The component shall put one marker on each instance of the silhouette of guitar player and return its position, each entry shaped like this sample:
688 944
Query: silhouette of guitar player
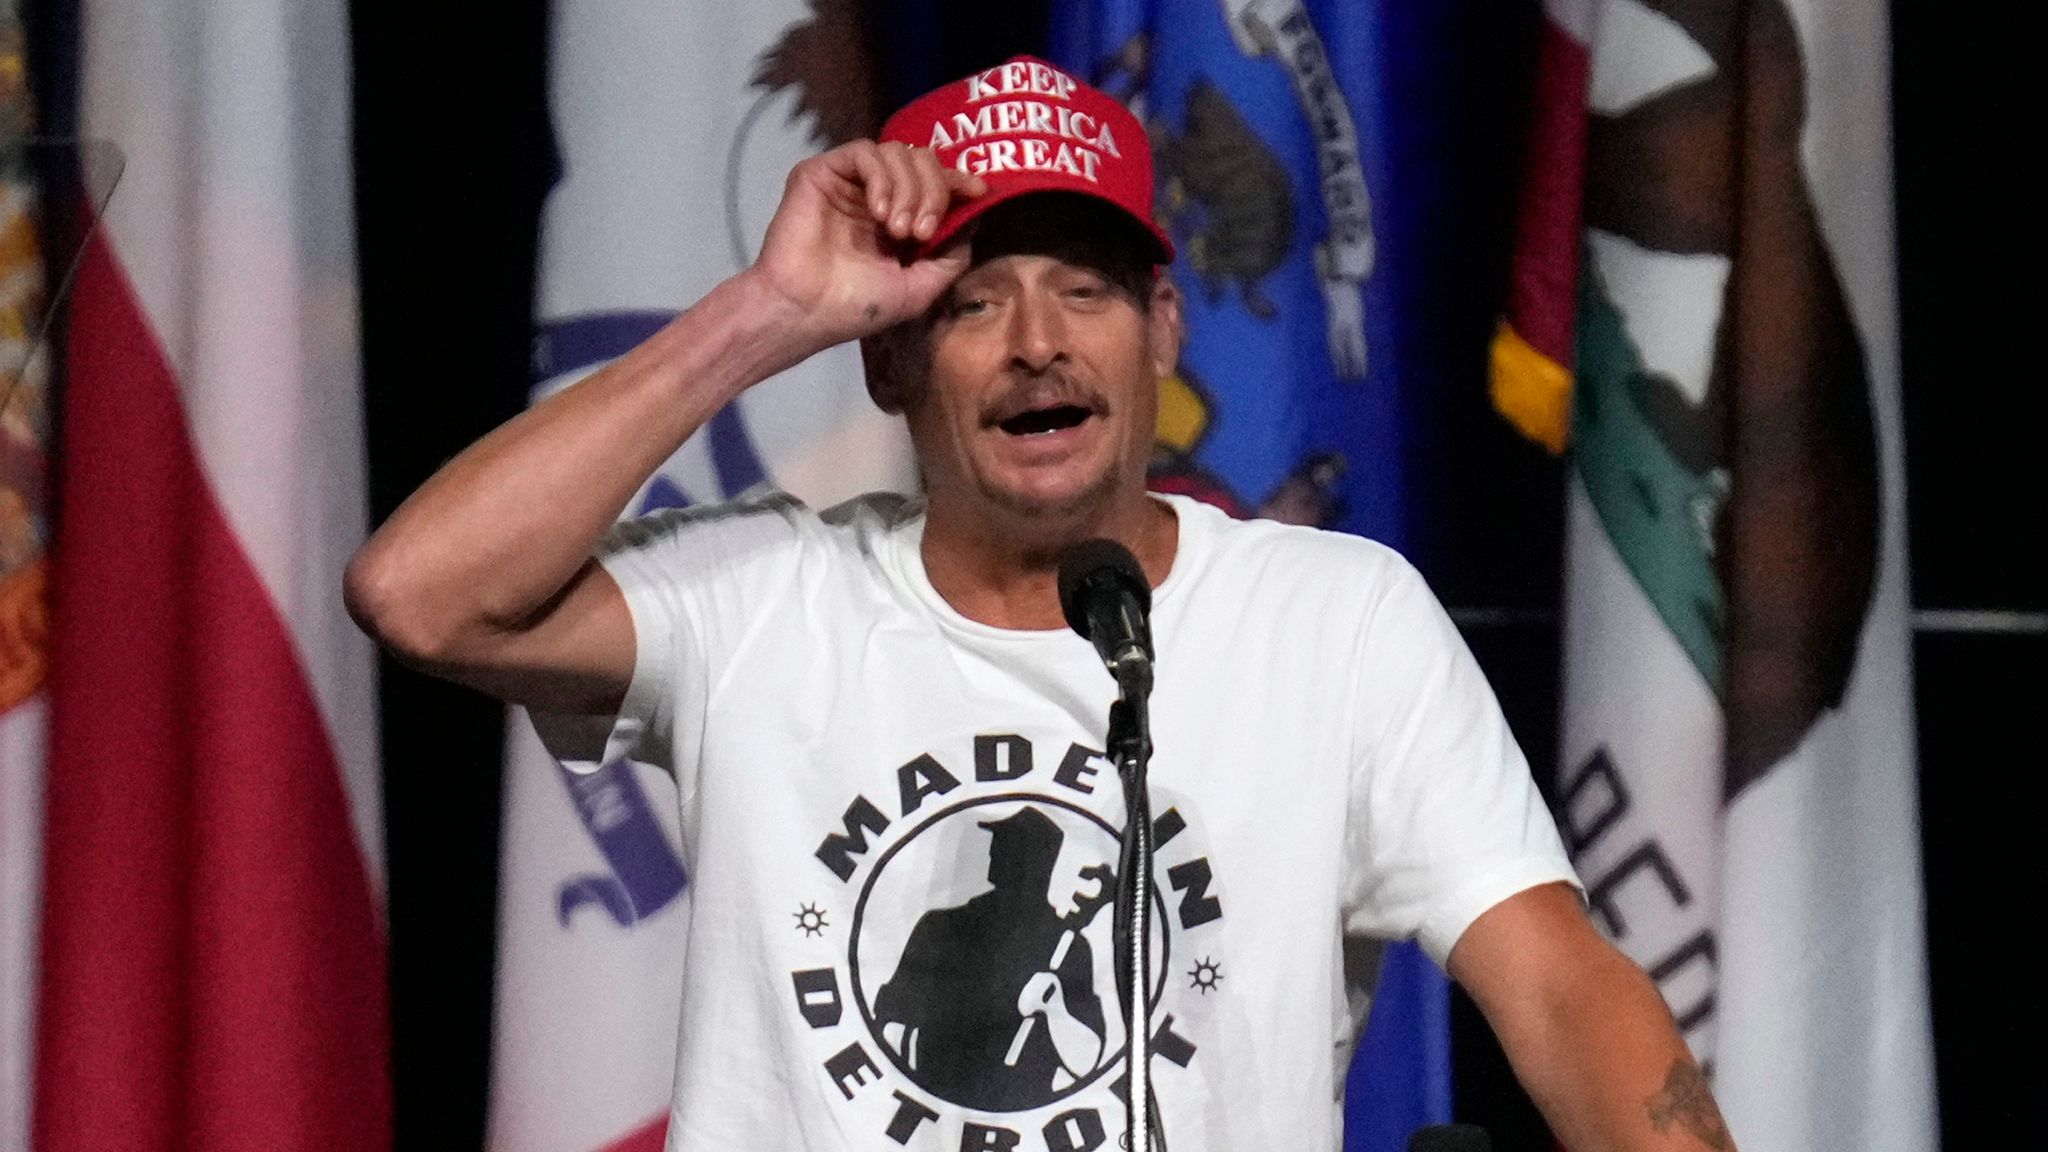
993 1004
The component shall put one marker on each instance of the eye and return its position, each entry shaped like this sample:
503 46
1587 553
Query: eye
963 306
1087 288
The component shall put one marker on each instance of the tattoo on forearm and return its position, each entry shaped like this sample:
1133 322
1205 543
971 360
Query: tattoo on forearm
1686 1101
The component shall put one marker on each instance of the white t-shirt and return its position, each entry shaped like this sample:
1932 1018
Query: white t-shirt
894 817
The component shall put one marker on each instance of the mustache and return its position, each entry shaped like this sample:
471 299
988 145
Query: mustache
1042 391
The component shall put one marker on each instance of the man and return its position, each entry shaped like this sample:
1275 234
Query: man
846 699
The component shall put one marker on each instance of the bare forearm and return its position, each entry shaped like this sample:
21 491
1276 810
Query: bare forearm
1585 1029
1611 1073
485 575
503 527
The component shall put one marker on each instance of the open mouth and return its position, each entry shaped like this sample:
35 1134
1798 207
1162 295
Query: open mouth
1039 421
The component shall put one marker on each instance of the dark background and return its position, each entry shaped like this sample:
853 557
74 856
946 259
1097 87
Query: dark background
454 159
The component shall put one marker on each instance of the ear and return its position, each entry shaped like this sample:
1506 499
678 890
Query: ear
1163 325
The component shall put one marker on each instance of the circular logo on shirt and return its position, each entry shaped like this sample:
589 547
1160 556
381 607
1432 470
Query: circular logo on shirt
981 954
951 952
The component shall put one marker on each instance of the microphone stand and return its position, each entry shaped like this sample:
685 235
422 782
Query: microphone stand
1104 595
1130 744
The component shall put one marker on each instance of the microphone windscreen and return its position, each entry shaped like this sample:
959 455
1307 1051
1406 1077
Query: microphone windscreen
1091 562
1450 1138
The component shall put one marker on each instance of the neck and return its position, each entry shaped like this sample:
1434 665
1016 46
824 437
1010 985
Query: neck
1003 570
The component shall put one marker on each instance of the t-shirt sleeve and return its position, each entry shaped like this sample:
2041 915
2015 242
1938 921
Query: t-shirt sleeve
696 582
1445 821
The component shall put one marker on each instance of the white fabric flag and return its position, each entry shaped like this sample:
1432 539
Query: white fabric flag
677 125
1738 751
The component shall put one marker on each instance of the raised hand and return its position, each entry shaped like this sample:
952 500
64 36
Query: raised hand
840 250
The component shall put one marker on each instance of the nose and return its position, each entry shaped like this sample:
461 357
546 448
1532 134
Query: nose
1037 334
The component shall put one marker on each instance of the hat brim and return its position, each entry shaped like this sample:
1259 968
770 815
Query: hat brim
966 212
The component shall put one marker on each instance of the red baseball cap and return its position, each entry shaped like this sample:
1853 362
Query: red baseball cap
1025 126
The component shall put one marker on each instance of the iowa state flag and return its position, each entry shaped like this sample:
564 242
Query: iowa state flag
213 961
1298 165
677 125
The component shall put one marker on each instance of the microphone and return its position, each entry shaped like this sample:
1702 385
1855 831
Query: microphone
1106 597
1450 1138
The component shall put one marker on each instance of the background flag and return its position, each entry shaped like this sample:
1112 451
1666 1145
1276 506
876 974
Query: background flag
677 126
1739 785
1298 206
24 610
213 962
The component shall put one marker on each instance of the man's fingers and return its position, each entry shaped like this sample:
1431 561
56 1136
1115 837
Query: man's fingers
904 190
871 173
953 184
931 199
934 194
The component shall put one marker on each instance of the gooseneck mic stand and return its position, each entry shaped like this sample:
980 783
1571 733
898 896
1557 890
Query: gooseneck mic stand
1105 596
1130 740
